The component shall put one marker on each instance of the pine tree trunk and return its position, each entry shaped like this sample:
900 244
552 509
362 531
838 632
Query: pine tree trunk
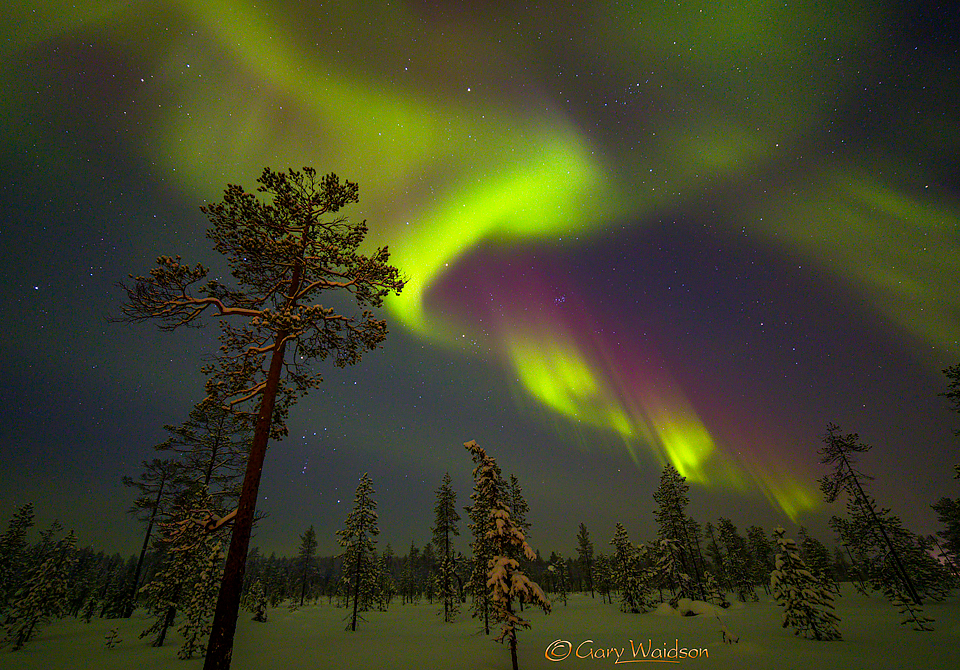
356 595
168 617
446 571
513 638
856 566
693 559
208 475
132 599
220 647
896 556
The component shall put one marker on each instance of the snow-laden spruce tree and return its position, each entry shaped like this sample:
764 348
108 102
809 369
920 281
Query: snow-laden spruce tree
506 582
559 577
284 255
199 602
255 601
428 571
13 544
736 560
630 573
715 555
761 556
601 578
670 573
358 539
444 529
385 586
673 523
188 578
807 603
409 576
481 522
42 595
715 593
817 558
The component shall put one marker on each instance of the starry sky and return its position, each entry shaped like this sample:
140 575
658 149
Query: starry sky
634 233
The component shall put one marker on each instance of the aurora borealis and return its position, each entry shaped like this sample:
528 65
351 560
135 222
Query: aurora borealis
635 233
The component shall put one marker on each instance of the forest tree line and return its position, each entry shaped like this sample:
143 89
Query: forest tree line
183 497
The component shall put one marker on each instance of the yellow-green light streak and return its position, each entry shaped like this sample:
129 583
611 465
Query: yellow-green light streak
894 247
723 93
646 415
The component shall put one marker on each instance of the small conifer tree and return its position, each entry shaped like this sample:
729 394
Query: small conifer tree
12 546
358 538
255 602
43 594
506 581
807 604
585 557
308 548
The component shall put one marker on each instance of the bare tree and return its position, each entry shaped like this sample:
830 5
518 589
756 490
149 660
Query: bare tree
155 481
212 447
840 451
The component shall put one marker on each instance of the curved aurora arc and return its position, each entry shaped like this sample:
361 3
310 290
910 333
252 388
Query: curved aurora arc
446 169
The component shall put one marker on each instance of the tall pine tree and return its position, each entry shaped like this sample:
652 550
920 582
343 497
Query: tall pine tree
840 451
737 563
305 558
761 552
674 524
481 526
155 488
585 557
444 529
285 254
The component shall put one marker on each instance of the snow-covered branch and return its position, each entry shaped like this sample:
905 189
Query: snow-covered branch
214 523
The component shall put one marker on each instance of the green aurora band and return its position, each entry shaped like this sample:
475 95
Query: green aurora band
456 144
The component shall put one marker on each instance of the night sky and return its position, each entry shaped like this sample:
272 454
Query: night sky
673 232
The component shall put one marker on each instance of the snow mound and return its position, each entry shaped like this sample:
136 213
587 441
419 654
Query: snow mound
687 607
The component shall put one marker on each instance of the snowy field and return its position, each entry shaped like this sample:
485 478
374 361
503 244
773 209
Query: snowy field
414 637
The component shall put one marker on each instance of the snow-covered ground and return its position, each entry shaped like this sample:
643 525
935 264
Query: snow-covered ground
415 637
